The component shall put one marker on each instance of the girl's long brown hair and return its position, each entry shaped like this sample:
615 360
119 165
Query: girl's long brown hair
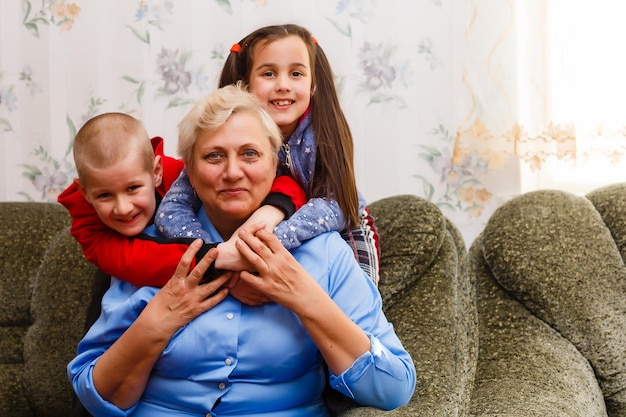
334 166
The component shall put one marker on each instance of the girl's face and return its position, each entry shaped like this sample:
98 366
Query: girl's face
232 170
281 79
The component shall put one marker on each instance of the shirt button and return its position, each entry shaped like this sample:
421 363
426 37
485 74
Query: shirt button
222 385
230 316
228 361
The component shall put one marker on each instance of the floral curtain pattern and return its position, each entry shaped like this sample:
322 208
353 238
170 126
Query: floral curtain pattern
447 99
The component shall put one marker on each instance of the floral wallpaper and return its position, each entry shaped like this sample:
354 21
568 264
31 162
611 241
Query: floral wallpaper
400 68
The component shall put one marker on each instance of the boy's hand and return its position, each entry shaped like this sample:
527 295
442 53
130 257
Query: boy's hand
245 292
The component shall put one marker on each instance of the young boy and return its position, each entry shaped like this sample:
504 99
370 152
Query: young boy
122 176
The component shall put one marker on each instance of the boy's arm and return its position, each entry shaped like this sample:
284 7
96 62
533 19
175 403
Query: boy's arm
140 261
151 261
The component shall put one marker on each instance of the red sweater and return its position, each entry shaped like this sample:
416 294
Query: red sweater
142 261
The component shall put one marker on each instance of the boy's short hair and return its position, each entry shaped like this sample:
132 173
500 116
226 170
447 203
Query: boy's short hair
108 138
213 111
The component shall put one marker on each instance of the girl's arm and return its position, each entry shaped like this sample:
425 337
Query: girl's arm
317 216
176 215
320 215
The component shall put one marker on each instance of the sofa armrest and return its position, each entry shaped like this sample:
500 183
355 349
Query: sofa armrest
553 253
44 291
431 302
610 202
525 367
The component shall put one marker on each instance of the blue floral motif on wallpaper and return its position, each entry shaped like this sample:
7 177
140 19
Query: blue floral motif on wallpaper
227 7
380 76
425 49
172 65
150 13
49 177
8 103
383 72
175 79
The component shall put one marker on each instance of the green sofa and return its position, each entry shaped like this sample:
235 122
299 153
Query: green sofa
529 323
551 295
46 285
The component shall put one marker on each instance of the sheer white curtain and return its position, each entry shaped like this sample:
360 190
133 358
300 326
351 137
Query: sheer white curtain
588 90
542 98
546 87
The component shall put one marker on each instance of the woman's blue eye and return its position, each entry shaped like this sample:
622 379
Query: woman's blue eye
212 156
250 153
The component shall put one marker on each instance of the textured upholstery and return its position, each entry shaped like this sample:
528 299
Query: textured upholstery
46 286
551 293
531 323
427 295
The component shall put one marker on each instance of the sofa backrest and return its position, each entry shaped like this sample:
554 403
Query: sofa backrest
45 287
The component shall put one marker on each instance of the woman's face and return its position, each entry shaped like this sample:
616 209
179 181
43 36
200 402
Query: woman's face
232 170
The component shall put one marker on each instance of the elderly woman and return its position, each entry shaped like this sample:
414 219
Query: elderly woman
194 350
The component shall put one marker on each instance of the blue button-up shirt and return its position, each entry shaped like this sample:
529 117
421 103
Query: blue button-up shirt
236 360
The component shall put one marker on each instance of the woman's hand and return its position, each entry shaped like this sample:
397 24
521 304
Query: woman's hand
123 370
230 258
182 299
285 281
280 277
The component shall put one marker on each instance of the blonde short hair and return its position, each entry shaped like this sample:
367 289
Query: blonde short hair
108 138
214 110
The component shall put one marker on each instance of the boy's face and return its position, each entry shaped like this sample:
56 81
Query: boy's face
123 194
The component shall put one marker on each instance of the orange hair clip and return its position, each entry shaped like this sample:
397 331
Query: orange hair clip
314 39
235 48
